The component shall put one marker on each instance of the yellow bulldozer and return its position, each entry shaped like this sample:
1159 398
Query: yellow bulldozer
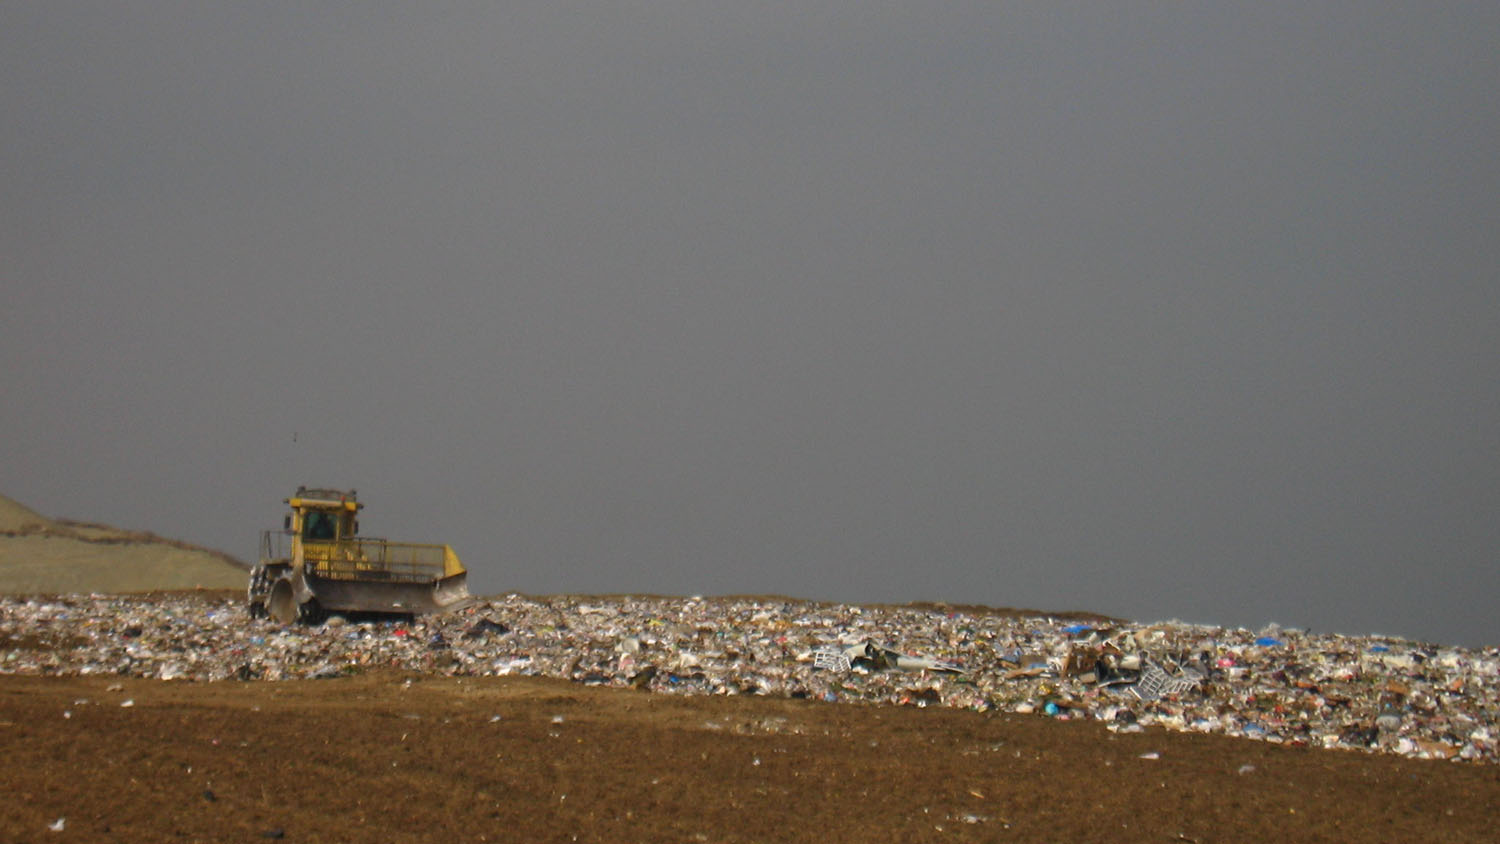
318 564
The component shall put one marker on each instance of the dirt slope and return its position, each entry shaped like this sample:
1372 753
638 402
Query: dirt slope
15 516
39 555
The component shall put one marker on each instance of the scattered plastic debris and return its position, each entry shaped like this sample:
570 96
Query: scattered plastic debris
1155 682
869 656
831 659
1372 694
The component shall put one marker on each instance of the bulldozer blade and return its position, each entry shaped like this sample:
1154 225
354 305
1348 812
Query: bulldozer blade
420 598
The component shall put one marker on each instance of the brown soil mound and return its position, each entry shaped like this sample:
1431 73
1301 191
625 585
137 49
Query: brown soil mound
407 758
54 556
15 516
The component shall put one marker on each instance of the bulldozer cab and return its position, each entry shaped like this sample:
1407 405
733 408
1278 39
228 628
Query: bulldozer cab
320 521
324 531
319 526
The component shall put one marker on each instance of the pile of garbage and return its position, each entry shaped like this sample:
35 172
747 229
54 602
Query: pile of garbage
1288 686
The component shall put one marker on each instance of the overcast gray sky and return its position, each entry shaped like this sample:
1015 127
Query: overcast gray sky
1159 310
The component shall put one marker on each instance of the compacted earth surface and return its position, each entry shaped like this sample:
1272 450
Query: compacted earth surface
389 755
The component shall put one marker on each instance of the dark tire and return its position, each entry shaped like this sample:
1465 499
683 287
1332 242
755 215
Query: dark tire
311 612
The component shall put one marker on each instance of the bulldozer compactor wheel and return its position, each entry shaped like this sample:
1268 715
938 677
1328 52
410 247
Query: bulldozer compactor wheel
282 605
259 592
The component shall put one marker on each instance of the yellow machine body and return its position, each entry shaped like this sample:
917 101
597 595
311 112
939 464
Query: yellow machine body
318 563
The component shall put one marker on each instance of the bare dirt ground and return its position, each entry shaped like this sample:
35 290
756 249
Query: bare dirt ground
407 758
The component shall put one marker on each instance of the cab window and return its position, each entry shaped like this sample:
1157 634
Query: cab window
318 526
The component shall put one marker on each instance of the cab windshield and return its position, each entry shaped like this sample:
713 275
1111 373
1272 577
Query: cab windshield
320 527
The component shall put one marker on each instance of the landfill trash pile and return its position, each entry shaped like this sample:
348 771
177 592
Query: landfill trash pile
1374 694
